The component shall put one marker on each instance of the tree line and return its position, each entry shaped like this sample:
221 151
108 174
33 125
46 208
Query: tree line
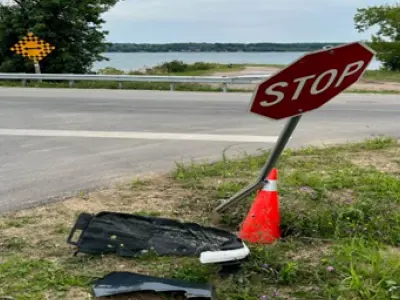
74 27
217 47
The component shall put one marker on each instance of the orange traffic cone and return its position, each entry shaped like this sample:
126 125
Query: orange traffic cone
263 220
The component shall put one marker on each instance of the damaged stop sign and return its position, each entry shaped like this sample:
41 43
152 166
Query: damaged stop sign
311 81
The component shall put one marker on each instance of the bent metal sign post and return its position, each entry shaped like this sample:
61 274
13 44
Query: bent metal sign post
305 85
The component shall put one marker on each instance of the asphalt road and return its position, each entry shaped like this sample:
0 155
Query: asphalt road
58 142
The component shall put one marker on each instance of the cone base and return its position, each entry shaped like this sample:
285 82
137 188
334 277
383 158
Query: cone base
262 238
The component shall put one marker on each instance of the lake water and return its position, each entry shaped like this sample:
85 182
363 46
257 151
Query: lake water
134 61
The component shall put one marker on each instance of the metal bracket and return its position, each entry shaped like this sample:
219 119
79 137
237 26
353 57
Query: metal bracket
268 166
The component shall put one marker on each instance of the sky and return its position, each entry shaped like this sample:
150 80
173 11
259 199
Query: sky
240 21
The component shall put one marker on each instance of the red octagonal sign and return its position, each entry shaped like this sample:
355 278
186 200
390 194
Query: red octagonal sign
311 81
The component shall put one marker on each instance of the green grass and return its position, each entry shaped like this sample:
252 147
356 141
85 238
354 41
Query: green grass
31 278
379 92
340 221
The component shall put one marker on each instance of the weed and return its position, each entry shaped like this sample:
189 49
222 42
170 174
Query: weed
148 213
137 183
17 222
364 269
12 244
30 278
193 271
83 195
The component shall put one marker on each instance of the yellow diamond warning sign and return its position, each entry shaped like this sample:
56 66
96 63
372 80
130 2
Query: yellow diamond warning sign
32 47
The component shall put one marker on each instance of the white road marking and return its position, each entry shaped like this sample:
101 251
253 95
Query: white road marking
139 135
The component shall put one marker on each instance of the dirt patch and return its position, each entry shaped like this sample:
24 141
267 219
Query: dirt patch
392 252
158 196
249 71
77 294
385 161
74 293
80 294
345 196
93 203
312 255
286 292
376 86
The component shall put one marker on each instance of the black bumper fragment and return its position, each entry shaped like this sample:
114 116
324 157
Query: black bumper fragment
117 283
131 235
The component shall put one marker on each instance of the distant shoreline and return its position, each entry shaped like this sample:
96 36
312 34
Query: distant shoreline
137 60
216 47
283 51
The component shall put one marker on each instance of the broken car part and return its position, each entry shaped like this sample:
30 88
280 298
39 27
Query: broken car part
132 235
125 282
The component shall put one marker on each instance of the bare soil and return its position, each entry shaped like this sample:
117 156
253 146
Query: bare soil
387 161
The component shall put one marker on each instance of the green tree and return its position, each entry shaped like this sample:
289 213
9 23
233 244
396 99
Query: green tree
74 27
386 41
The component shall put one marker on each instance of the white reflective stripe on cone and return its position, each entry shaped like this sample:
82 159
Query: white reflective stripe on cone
271 186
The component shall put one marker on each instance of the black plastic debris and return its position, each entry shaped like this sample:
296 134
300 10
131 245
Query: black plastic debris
131 235
118 283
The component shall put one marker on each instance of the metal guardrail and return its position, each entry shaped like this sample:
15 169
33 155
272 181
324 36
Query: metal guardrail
172 80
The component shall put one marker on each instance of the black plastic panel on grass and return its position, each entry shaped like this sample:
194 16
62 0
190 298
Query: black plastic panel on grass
118 283
131 235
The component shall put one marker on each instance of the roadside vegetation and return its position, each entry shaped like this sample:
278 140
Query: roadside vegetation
179 68
340 210
176 68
